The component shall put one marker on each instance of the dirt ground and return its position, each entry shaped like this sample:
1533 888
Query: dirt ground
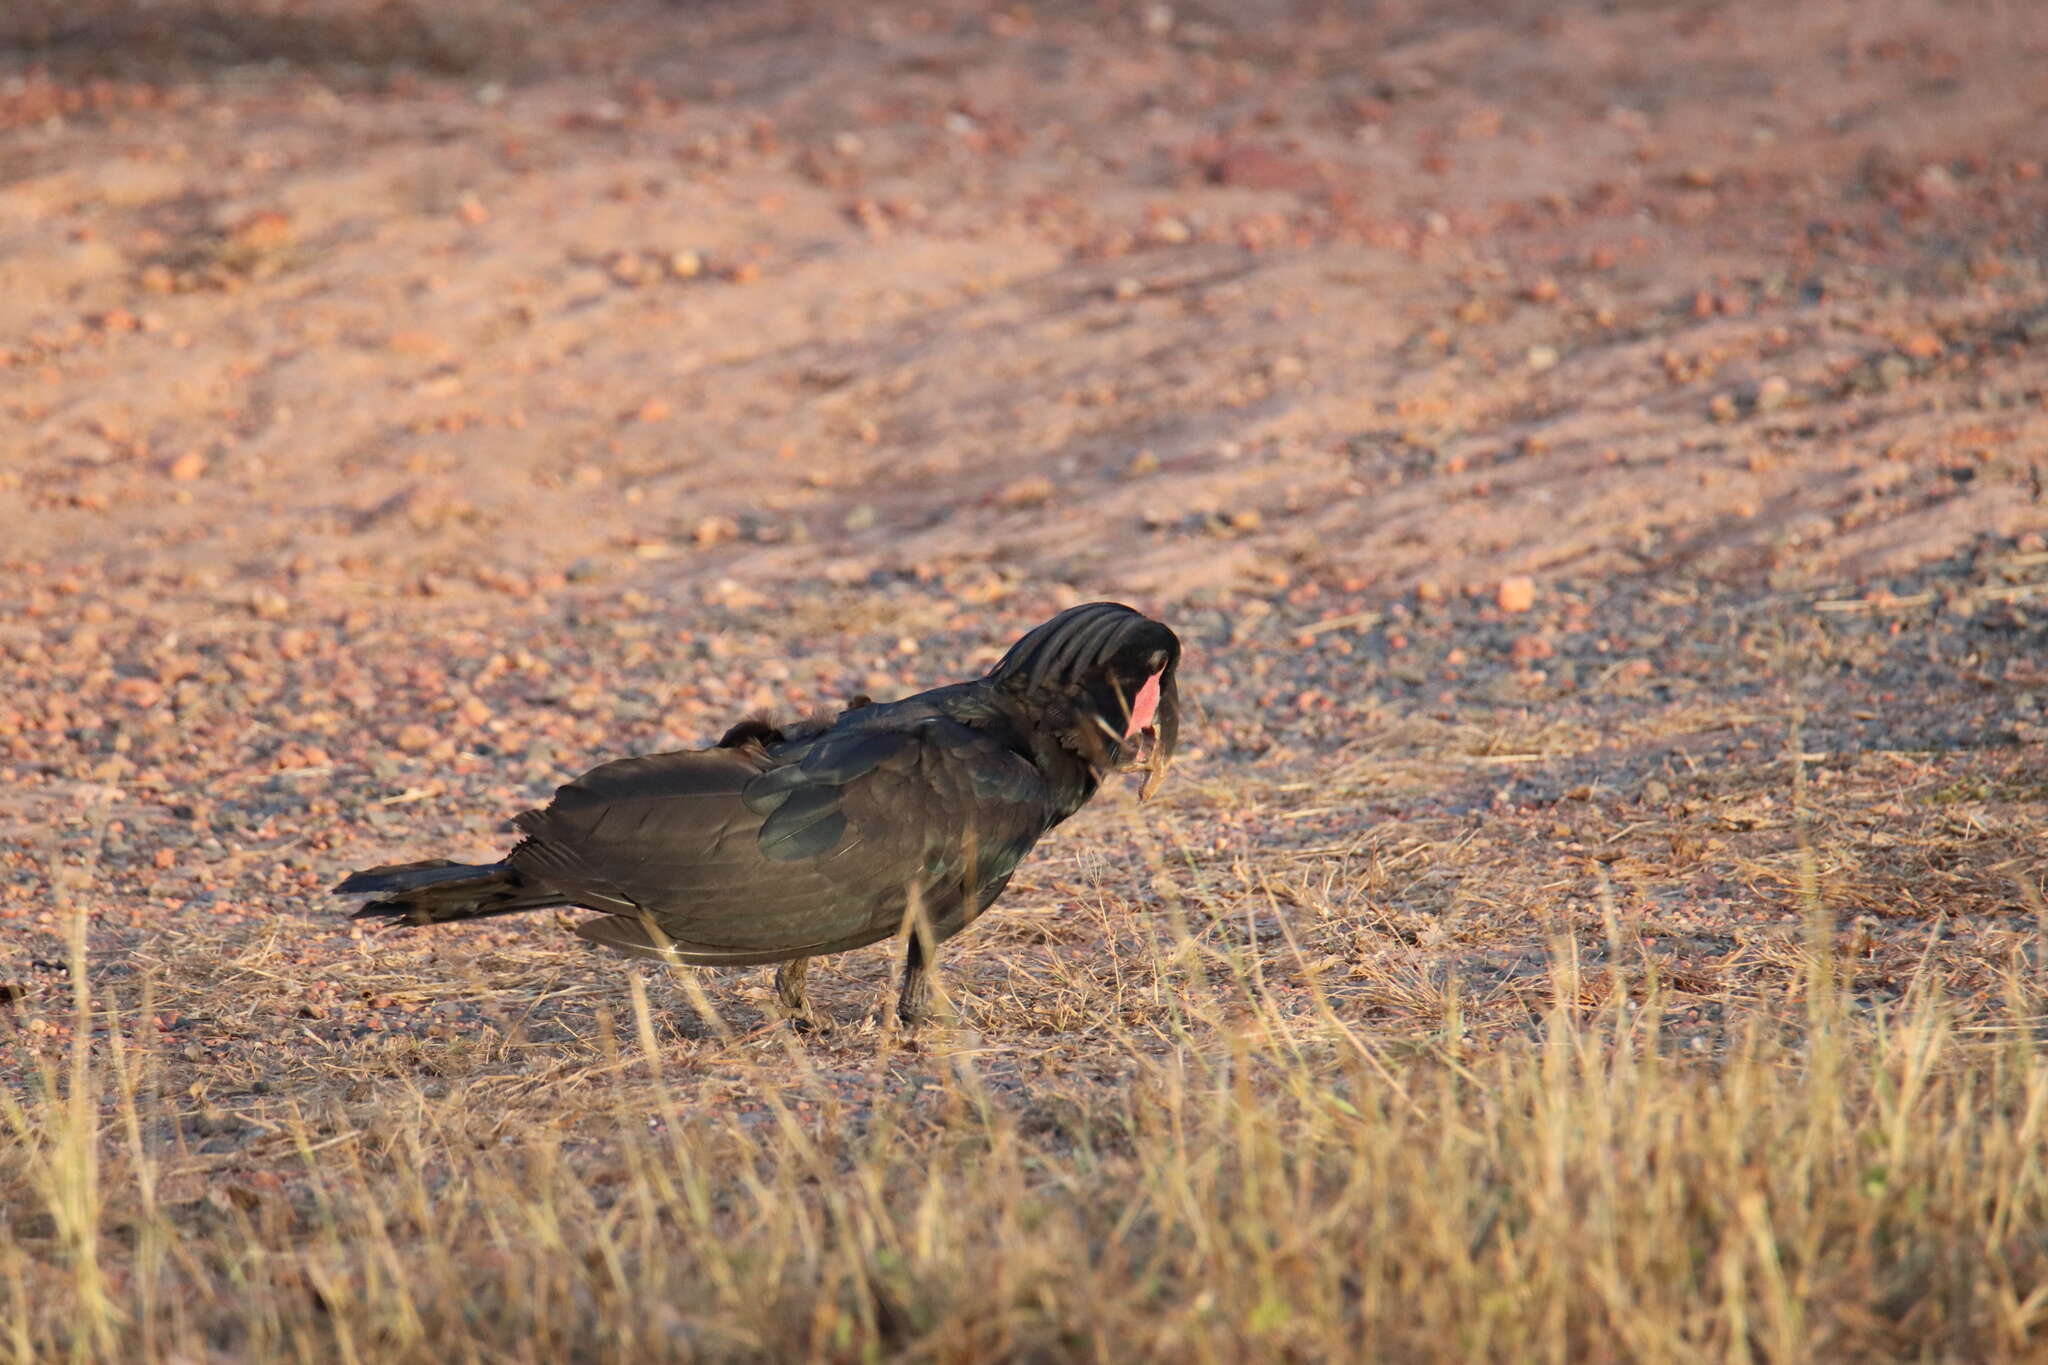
1593 453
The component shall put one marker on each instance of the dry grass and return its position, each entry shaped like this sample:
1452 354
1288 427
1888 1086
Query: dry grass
1234 1172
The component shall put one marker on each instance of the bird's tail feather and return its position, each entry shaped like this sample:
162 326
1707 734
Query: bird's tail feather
439 891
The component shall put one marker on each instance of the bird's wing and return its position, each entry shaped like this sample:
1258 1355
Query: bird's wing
734 855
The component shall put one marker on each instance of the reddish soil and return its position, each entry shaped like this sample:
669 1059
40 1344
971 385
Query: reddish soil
1594 453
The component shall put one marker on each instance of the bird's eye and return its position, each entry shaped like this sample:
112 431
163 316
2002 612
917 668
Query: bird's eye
1157 661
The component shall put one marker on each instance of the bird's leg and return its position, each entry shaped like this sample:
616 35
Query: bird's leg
789 993
912 1000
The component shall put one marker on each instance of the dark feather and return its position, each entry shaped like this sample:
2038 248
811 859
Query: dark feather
438 891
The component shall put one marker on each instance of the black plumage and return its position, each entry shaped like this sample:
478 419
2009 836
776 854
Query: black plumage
783 844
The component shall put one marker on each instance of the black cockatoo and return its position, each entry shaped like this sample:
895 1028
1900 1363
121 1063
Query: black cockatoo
780 844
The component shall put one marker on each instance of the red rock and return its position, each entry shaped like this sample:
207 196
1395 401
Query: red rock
264 230
1922 346
1026 492
412 341
416 738
714 530
1516 594
1249 166
143 692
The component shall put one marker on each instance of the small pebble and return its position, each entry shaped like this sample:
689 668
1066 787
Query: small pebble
1170 232
715 530
416 738
1922 345
1029 491
1516 594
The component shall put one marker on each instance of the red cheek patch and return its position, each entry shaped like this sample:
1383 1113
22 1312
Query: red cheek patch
1144 706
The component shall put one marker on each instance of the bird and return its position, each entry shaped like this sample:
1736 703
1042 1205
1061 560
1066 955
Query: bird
785 842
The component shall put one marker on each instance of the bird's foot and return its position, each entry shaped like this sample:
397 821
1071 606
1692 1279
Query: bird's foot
792 1002
910 1029
806 1024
